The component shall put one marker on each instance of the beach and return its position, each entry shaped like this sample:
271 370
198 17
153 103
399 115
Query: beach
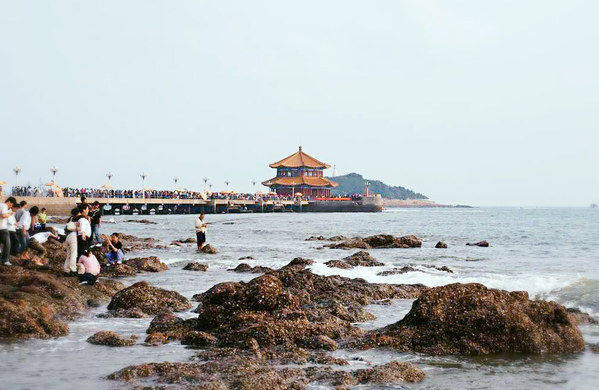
551 253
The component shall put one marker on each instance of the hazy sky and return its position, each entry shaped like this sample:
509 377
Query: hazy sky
478 102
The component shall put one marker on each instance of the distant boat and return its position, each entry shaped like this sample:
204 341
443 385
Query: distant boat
594 205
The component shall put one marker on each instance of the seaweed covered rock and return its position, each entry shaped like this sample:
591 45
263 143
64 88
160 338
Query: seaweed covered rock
148 264
483 244
37 304
377 241
148 299
412 268
291 306
246 268
195 266
119 271
441 245
235 370
110 339
358 259
208 249
156 339
471 319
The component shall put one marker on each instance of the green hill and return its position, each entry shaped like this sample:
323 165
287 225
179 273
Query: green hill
353 183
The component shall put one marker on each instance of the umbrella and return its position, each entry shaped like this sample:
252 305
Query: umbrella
50 184
107 187
3 183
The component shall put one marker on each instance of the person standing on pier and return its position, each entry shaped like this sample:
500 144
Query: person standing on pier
201 231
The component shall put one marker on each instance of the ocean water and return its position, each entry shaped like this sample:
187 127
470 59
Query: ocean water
553 253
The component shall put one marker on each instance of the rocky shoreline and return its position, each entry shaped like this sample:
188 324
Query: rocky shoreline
277 330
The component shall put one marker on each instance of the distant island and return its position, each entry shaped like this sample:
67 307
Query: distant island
353 183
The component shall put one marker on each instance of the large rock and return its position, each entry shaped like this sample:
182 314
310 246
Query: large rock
377 241
208 249
243 371
148 264
195 266
483 244
38 304
291 307
119 271
246 268
358 259
441 245
471 319
148 299
110 339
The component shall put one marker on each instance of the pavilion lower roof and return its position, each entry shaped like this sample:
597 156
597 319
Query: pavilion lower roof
300 180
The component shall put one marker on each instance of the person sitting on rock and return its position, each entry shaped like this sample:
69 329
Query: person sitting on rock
88 268
115 253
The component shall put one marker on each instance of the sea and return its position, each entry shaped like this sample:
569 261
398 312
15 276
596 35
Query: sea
552 253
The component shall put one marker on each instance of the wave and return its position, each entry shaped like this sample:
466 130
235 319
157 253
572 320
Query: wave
571 291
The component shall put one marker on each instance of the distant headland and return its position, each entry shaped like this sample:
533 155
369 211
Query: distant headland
353 183
393 196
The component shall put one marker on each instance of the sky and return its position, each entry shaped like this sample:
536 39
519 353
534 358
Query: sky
466 101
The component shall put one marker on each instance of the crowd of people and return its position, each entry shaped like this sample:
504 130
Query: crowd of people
71 192
22 228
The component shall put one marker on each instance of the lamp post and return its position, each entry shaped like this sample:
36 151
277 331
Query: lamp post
227 182
143 184
16 170
205 178
175 180
54 170
109 176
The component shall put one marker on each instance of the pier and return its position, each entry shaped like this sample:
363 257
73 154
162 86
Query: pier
152 206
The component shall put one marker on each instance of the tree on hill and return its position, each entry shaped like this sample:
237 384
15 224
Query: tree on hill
353 183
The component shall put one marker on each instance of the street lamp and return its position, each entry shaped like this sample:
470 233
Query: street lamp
109 176
16 170
227 182
205 178
54 170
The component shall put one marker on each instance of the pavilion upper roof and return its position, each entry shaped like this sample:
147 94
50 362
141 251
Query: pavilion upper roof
299 159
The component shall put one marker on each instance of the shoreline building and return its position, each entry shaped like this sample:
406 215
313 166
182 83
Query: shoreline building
300 173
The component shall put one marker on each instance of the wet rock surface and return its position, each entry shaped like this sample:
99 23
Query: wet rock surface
143 298
208 249
246 268
111 339
579 317
195 266
470 319
234 370
376 241
147 264
37 304
483 244
358 259
323 238
143 221
290 306
441 245
182 241
411 268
